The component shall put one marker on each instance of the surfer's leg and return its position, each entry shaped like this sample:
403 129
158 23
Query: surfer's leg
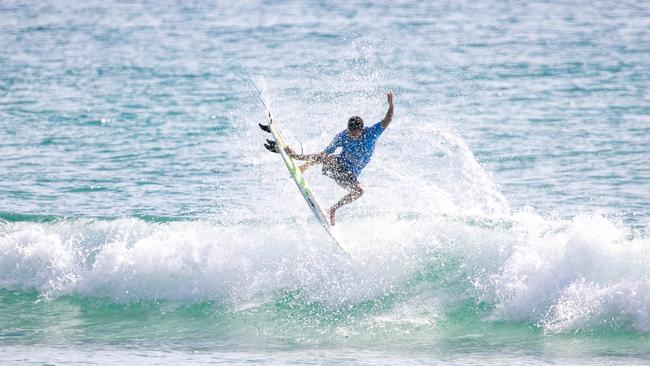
318 157
306 166
328 161
356 191
334 169
331 166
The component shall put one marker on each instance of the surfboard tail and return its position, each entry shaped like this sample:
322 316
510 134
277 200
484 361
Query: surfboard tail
272 146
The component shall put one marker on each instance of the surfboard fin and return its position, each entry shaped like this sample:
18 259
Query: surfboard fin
265 128
271 146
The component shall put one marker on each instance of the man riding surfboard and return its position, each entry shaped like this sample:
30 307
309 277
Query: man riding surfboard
357 145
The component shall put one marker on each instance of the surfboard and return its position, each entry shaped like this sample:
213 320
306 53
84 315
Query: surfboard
277 145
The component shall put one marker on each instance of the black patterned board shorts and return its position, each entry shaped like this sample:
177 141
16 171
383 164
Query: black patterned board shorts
341 175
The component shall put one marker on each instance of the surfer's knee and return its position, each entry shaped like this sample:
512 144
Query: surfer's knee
328 159
358 190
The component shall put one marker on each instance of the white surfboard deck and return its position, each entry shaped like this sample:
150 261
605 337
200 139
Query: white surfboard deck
303 187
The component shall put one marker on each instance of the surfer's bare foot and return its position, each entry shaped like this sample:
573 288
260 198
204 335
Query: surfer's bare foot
332 212
289 151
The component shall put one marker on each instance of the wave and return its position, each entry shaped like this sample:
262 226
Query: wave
561 275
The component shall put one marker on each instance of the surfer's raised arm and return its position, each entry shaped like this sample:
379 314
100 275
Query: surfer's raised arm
389 114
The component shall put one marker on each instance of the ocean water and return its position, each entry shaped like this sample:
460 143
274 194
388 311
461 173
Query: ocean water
506 218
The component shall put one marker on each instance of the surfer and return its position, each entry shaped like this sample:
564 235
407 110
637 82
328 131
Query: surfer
357 145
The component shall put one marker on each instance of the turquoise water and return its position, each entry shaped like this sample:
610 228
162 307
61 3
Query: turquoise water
506 214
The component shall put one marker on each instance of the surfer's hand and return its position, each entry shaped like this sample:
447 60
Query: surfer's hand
389 113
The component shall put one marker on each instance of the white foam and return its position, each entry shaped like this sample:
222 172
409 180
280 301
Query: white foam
37 259
570 275
128 260
562 275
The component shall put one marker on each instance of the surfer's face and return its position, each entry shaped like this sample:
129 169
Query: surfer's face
355 127
356 133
